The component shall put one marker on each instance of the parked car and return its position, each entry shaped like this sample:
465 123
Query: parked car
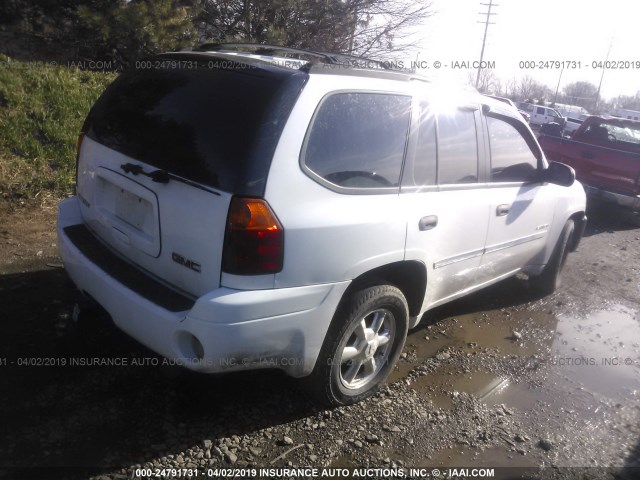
605 153
240 210
541 115
573 111
571 125
508 101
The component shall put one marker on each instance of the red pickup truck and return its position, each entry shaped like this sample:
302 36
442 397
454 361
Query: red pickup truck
605 153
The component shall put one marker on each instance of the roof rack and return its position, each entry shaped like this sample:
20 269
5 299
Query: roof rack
323 57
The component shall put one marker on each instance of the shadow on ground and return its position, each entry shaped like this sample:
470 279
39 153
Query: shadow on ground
607 217
110 417
57 415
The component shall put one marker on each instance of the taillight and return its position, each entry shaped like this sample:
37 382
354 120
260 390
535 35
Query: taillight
78 147
254 238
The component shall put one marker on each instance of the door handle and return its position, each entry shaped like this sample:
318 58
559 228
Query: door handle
428 222
586 154
502 210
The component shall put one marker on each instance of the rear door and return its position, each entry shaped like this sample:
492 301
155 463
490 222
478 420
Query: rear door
447 210
164 152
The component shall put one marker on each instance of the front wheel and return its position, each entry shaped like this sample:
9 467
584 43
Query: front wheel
362 345
549 280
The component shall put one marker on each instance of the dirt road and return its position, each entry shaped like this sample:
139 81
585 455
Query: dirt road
499 379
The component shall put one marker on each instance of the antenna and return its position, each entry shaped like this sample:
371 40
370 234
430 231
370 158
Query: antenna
486 22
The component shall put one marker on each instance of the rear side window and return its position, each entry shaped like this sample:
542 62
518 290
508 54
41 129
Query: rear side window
512 160
357 140
214 126
457 148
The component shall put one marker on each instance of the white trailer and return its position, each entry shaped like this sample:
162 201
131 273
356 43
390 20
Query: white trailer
625 113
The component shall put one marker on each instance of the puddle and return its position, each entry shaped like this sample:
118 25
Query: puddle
476 332
598 354
601 352
552 372
592 361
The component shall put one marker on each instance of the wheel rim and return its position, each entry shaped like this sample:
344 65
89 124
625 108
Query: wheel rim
367 348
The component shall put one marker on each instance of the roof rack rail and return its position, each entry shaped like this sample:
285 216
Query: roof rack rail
324 57
262 49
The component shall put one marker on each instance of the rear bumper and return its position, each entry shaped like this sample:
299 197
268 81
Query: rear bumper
225 330
627 201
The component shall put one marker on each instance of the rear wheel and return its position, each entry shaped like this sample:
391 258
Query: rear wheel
550 279
362 345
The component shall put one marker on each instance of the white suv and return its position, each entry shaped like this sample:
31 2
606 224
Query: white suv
241 210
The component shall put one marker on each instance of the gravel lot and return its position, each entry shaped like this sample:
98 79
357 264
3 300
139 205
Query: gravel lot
499 379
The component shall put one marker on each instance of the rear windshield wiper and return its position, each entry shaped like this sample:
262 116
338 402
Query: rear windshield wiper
159 176
162 176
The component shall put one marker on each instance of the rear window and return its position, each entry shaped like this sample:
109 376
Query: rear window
214 126
357 140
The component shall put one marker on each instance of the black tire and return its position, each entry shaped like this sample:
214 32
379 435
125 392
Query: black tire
353 361
550 278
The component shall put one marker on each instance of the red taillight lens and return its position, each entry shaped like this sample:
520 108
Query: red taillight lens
254 238
79 143
78 147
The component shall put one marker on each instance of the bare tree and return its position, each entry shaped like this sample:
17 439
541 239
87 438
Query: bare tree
510 88
386 26
580 93
488 82
630 102
525 88
533 91
363 27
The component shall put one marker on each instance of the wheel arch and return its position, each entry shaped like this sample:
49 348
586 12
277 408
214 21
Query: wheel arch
580 222
409 276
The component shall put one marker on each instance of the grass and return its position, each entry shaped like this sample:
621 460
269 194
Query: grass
42 108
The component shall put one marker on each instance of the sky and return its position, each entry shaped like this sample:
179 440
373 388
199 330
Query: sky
538 31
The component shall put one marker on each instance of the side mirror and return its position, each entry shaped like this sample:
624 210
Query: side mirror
560 174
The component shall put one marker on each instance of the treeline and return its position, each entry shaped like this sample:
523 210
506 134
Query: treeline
581 93
123 31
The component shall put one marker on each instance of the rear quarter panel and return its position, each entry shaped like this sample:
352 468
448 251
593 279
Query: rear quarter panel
329 236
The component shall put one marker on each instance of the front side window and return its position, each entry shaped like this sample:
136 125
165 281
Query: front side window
357 140
512 160
457 148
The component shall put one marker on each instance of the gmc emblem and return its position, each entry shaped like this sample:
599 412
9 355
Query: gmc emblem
185 262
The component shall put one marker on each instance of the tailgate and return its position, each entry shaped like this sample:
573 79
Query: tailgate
172 230
164 151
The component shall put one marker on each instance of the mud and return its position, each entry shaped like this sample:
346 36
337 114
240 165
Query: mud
501 378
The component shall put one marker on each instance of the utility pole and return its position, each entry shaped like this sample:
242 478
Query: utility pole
555 97
595 104
486 22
